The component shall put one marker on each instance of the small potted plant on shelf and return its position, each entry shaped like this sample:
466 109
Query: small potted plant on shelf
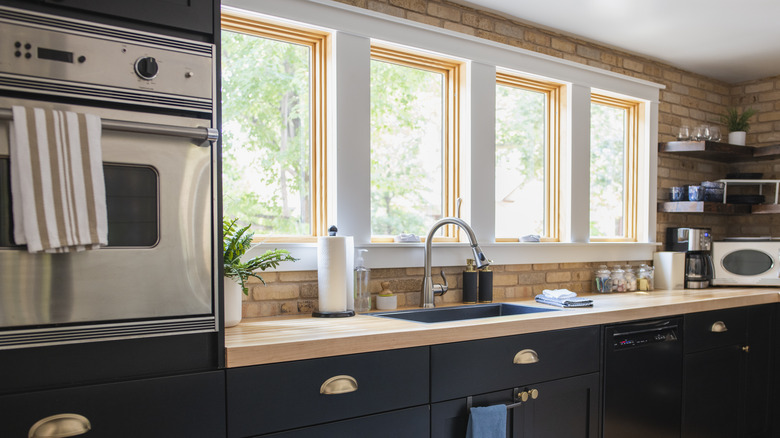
737 124
236 242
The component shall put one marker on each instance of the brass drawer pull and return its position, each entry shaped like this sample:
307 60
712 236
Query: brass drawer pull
718 327
526 356
534 393
60 426
339 385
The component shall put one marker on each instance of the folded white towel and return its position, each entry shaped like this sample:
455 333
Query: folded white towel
564 302
559 293
57 184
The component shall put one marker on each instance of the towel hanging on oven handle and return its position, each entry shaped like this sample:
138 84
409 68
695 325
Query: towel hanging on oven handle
202 134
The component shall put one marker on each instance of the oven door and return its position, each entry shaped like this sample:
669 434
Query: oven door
749 263
155 276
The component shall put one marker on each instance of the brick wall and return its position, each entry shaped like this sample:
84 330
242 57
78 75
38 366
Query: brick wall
296 292
689 99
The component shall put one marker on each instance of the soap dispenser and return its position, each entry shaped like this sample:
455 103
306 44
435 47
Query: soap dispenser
470 283
362 277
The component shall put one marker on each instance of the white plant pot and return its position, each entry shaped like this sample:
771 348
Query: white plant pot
737 137
233 298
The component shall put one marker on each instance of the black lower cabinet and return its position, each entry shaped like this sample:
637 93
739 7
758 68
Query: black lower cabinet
727 373
171 407
563 408
406 423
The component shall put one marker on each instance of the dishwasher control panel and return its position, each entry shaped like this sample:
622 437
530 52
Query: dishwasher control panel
637 338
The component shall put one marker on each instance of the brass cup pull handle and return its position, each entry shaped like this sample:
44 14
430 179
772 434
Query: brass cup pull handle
339 385
526 356
60 426
718 327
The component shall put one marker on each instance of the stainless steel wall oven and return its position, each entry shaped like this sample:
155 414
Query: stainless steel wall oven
155 96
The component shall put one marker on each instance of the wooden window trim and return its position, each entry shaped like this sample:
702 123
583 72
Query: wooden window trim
318 43
452 72
553 122
630 168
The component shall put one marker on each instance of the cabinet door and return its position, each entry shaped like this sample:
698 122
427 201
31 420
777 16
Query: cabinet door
406 423
170 407
563 408
713 393
761 323
194 15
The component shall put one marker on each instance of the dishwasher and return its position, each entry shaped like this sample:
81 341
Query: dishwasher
643 379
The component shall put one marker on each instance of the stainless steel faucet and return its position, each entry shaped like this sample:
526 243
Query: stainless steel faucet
429 289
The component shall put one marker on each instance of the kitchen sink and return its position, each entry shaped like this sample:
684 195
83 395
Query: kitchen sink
445 314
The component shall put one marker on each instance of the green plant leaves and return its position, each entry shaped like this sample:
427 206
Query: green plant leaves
236 242
735 121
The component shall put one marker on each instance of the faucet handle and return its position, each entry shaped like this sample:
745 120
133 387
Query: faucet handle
441 289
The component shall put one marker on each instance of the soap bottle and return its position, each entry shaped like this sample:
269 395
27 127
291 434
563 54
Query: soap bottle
485 285
362 276
470 283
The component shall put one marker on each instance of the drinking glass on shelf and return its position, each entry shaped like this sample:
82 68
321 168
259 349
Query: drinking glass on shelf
705 132
714 133
696 135
684 134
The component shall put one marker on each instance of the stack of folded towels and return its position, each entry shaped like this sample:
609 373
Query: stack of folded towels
563 298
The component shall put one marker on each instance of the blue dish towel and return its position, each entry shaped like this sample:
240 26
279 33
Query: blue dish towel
487 422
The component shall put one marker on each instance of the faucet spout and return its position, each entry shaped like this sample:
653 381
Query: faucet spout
429 289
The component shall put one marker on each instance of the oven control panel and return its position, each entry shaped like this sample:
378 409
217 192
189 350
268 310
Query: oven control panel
94 59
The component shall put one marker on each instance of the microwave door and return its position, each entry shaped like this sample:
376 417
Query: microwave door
746 264
158 262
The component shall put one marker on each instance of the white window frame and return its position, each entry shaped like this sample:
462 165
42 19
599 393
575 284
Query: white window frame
353 30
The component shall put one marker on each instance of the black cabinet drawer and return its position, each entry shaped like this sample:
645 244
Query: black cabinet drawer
406 423
716 328
276 397
182 406
475 367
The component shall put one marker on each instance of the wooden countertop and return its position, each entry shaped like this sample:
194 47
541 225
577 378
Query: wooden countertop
281 339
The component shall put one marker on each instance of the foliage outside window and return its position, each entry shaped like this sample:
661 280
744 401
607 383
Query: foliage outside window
613 168
273 126
527 150
414 145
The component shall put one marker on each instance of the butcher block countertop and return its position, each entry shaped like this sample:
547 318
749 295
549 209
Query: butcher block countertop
281 339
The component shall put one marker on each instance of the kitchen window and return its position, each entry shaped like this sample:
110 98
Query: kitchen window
527 158
273 100
614 142
414 142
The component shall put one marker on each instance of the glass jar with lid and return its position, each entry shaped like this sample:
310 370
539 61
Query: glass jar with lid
601 280
631 279
618 279
645 277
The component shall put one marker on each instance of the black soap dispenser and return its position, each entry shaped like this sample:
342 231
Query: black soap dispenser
485 285
470 283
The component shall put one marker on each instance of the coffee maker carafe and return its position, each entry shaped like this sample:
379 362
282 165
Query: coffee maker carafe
697 243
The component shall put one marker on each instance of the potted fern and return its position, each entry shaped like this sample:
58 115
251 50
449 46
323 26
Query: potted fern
236 242
737 124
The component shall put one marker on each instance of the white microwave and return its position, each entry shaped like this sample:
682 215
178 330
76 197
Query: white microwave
746 263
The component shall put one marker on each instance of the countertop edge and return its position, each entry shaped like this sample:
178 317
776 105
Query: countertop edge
274 340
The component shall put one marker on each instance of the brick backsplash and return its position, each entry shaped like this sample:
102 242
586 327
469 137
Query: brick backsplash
288 293
688 98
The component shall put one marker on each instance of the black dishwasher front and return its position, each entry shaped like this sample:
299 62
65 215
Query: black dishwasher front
643 379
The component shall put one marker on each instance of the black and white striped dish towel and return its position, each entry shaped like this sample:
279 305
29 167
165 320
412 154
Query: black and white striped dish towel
57 185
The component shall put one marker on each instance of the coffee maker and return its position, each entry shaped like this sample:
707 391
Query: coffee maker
697 245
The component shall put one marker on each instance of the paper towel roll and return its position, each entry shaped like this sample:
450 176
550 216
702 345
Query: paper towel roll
335 261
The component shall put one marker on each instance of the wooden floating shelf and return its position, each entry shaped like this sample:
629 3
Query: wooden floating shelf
704 207
766 209
716 151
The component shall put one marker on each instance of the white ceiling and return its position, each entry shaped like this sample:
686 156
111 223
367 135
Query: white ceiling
729 40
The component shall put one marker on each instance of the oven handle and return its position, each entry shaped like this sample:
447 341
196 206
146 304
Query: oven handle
202 134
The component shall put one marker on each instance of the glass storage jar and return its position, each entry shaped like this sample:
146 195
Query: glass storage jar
601 280
618 279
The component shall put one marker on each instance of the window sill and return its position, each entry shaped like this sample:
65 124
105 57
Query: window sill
410 255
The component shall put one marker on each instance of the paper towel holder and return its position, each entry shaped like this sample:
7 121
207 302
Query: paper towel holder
341 314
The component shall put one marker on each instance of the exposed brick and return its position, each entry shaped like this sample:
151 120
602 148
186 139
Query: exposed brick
505 279
633 65
557 277
759 87
509 29
445 12
278 291
414 5
457 27
422 18
291 276
588 52
563 45
537 38
386 9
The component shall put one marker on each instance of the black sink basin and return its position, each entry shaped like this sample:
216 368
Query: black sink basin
445 314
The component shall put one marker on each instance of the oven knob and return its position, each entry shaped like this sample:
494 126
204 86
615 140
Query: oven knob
146 68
